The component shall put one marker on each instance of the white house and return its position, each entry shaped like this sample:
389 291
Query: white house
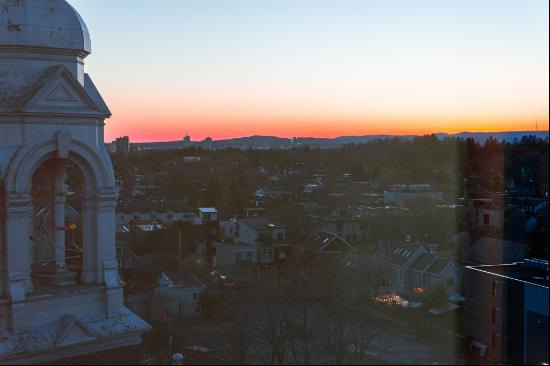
178 295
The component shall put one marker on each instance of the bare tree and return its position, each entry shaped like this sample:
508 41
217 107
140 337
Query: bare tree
302 341
272 330
239 333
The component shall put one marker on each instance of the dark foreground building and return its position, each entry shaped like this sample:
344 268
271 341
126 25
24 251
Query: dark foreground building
507 312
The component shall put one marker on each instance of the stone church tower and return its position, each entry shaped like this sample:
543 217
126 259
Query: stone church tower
60 292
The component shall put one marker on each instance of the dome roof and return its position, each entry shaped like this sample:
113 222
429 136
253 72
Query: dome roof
43 23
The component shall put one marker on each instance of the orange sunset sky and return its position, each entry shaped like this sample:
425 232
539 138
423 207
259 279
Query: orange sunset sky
320 68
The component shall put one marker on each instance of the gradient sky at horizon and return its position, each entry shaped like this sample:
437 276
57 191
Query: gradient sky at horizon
323 68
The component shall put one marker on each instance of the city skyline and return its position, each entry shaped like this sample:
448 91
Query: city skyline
321 69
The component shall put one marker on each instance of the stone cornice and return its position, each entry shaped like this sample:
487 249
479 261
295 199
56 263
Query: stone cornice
43 50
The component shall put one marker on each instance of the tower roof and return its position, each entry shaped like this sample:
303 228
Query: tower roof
43 24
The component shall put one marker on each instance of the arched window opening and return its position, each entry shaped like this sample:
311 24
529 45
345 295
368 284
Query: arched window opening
57 244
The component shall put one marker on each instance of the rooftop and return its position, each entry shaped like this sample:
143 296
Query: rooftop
158 206
259 223
181 278
529 271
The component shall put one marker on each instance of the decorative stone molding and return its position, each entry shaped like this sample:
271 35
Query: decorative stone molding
63 144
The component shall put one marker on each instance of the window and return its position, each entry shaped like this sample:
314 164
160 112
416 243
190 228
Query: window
153 216
249 257
170 217
486 219
195 297
137 217
267 253
450 282
238 257
264 237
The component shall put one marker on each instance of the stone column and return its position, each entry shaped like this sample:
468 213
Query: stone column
90 274
59 216
2 246
106 251
18 246
61 275
106 229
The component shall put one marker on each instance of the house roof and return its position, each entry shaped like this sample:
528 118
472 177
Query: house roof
437 266
402 254
208 210
326 241
180 278
259 223
422 262
160 206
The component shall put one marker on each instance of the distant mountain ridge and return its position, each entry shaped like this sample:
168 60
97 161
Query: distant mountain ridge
278 142
273 142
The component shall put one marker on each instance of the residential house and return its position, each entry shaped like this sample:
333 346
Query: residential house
429 272
177 296
400 260
259 234
238 260
165 212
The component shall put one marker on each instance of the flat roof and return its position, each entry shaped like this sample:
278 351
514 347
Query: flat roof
516 272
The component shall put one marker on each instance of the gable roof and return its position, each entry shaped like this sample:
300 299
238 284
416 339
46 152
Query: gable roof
328 242
401 255
422 262
437 266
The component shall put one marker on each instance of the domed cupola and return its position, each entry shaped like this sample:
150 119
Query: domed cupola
43 25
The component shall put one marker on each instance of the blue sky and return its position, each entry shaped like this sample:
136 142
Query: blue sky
396 66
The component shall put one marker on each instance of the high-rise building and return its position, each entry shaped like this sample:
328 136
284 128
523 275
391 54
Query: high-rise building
55 307
207 143
122 145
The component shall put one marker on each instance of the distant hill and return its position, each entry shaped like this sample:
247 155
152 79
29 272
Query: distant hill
271 142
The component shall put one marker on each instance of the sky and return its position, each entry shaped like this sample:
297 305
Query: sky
322 68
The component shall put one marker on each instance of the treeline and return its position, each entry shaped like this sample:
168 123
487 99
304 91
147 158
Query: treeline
229 177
